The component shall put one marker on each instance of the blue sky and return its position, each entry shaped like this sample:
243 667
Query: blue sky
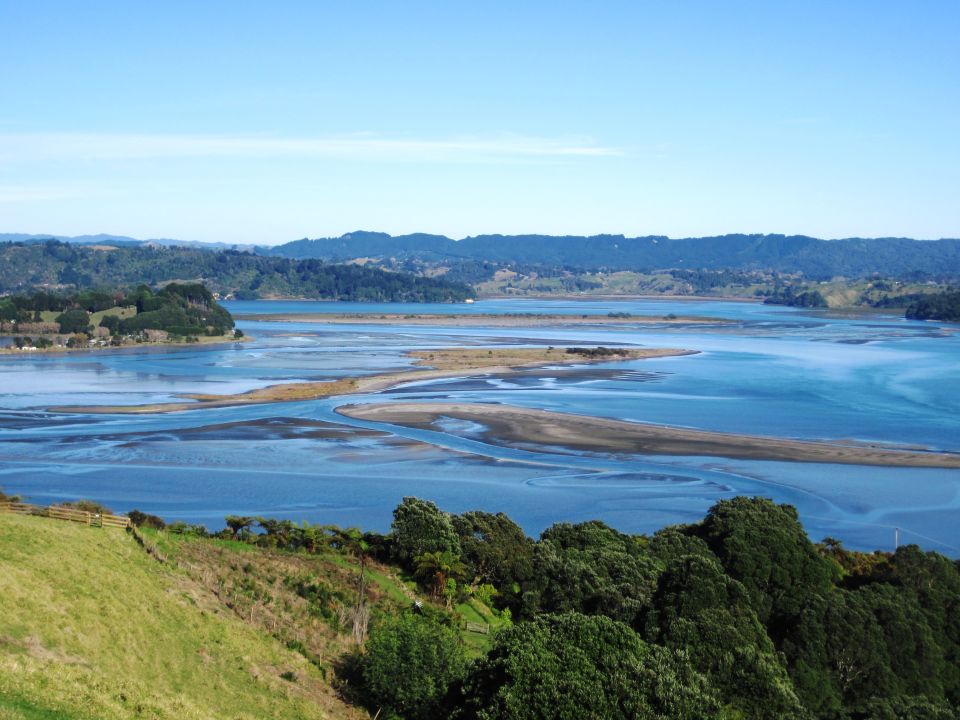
265 122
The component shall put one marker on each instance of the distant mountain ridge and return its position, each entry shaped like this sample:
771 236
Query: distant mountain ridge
813 257
118 241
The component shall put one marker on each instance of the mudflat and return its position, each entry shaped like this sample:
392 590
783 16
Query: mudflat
447 363
523 427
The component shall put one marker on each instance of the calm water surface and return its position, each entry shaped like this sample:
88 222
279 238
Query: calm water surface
772 371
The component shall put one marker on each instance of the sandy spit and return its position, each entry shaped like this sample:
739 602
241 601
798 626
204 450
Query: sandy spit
521 427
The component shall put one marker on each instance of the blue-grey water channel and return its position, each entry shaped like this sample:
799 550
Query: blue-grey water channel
770 371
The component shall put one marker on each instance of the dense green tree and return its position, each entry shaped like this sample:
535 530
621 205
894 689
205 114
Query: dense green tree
906 708
780 571
73 321
409 663
698 608
915 659
439 569
577 667
593 569
677 541
497 551
935 583
419 527
111 322
239 524
942 306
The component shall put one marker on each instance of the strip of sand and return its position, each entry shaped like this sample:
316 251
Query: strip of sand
522 427
448 363
481 320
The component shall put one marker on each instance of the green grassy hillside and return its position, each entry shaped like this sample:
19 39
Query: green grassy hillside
93 627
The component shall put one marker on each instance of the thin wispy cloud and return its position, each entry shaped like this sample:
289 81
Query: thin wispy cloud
32 147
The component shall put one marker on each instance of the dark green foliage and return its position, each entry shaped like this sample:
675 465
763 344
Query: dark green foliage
907 708
789 296
590 568
914 657
409 664
851 647
178 309
497 551
239 525
934 581
111 322
27 265
677 541
942 306
576 667
73 321
142 519
780 571
698 608
597 352
419 527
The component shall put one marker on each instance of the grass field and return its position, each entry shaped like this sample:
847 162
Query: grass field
121 312
92 627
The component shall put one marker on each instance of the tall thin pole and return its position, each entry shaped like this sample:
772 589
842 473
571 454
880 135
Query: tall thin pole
896 538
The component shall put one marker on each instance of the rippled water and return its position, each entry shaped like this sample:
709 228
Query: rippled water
773 371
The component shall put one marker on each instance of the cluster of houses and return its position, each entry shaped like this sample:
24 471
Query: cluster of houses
33 336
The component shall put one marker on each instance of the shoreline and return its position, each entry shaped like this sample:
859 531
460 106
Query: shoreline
521 427
443 364
203 341
477 320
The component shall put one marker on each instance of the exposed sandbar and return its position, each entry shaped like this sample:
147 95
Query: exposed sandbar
480 320
522 427
448 363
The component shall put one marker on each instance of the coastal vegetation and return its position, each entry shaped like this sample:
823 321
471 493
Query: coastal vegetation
244 275
789 296
115 316
738 615
942 306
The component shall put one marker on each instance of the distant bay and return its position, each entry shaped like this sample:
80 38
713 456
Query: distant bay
771 371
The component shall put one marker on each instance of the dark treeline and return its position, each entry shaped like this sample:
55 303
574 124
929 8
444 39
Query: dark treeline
790 296
819 259
941 306
54 263
737 616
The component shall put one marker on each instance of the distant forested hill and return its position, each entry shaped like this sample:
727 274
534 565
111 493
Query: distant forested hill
55 263
818 259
